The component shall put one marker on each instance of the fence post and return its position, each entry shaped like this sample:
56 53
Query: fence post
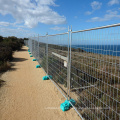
69 63
47 52
31 44
34 46
38 47
70 59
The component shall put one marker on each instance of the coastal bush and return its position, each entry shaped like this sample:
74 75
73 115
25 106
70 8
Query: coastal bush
5 52
7 46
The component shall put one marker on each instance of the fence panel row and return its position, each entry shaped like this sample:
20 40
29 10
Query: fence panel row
86 66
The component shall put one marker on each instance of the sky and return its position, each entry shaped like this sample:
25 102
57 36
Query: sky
25 18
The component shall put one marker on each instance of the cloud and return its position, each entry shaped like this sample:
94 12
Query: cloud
2 23
31 12
108 16
19 32
8 24
112 2
58 28
88 13
75 17
96 5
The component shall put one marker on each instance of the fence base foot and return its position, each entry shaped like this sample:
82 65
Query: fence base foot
34 60
28 50
38 66
47 77
31 56
66 105
29 53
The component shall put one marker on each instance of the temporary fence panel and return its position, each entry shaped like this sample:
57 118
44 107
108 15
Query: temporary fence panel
42 52
57 59
95 68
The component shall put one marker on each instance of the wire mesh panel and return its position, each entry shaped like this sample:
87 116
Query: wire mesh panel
95 69
42 52
30 44
33 47
36 48
26 42
57 59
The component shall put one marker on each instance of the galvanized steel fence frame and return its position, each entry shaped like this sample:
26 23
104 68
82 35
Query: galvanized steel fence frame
91 76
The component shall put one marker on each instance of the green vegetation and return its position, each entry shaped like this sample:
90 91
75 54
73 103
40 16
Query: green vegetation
7 46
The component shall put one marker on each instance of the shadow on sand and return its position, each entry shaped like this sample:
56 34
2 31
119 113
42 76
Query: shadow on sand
19 59
23 50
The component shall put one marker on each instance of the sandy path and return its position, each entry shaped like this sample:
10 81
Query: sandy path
27 97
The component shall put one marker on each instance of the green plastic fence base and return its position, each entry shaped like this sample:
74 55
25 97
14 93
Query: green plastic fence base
29 53
66 105
38 66
31 56
34 60
47 77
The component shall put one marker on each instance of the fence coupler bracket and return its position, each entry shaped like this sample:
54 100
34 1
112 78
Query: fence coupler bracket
67 104
47 77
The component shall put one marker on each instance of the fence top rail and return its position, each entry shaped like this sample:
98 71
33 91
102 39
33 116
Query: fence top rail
59 34
54 34
108 26
42 36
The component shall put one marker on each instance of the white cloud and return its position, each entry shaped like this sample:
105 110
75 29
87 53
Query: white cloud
112 2
75 17
2 23
19 32
47 2
88 13
108 16
58 28
96 5
8 24
32 12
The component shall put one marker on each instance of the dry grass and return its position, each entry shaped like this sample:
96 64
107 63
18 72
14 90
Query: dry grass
104 72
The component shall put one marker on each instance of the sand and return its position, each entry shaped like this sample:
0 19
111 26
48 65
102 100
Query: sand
25 96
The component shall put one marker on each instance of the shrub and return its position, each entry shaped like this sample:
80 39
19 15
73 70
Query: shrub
7 45
4 66
1 38
5 53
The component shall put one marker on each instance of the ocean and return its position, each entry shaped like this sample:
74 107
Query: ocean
113 50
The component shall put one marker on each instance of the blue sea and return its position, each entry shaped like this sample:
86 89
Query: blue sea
113 50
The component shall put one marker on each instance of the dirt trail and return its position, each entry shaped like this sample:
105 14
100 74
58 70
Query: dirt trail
25 96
